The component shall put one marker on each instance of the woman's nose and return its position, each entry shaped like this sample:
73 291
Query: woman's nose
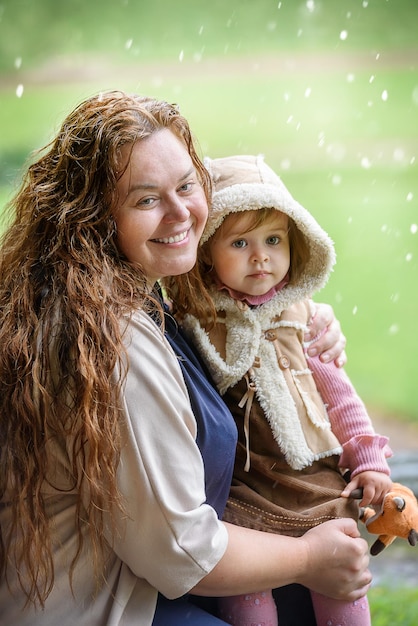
176 210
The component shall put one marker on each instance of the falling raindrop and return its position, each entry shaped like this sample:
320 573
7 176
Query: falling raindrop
19 91
355 309
408 257
384 95
398 154
181 56
343 35
394 329
414 229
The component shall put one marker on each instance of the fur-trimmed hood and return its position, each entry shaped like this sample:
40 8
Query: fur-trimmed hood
247 183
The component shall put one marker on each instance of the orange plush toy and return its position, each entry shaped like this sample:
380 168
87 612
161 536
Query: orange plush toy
397 517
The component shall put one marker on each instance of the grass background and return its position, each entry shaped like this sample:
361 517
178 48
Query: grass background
327 90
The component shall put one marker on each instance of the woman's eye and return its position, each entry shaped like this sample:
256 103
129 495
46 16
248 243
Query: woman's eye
186 187
240 243
145 202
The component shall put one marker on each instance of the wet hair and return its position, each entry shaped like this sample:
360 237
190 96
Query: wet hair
200 279
64 291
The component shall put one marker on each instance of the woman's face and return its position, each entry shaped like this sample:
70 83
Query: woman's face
162 207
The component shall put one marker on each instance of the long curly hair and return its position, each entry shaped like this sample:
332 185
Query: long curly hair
64 288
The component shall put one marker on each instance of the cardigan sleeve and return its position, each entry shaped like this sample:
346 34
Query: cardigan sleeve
169 536
363 449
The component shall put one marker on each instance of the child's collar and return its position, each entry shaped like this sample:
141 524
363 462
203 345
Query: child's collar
255 300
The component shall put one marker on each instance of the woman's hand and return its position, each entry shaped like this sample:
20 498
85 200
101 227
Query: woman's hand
330 344
331 559
338 561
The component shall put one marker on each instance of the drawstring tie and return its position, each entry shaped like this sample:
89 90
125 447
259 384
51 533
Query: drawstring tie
247 401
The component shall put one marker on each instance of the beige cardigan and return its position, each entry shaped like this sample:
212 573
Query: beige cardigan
158 546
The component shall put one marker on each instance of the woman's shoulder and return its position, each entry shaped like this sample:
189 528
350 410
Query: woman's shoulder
142 335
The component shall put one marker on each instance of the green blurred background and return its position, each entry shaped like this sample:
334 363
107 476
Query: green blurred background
327 90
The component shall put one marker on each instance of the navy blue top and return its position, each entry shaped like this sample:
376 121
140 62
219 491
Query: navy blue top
216 438
216 429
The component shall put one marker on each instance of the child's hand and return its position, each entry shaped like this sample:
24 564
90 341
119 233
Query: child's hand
374 485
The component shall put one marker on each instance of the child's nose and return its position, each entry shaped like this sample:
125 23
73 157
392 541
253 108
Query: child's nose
260 255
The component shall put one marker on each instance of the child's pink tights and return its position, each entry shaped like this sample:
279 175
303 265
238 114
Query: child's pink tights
250 609
259 609
329 612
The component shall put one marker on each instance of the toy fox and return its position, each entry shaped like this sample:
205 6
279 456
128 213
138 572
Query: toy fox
397 517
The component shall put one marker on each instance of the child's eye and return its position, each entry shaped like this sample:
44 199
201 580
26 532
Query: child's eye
273 240
240 243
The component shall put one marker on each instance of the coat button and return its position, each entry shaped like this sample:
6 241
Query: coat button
284 362
270 335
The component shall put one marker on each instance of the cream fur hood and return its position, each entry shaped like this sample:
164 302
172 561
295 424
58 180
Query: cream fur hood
245 183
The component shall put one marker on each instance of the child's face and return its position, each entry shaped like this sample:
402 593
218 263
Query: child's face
251 261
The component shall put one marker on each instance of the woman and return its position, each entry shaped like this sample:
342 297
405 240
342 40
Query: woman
103 494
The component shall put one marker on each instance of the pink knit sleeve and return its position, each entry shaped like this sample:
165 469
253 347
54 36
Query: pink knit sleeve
363 449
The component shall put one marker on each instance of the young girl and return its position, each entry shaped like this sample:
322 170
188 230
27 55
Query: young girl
301 424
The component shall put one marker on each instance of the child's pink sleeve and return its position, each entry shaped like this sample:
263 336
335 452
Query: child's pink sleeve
363 449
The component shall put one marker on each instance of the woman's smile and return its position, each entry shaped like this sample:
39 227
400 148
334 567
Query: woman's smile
172 238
